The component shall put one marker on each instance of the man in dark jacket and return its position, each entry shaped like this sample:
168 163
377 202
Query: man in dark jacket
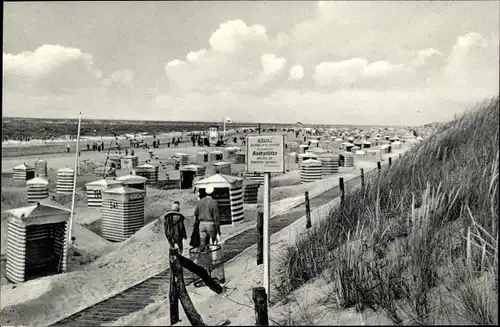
175 231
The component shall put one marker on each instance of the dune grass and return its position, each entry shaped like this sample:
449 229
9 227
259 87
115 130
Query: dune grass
417 241
13 198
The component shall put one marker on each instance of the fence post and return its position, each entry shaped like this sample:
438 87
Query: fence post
259 297
379 165
260 242
390 161
308 210
342 190
174 301
362 178
180 287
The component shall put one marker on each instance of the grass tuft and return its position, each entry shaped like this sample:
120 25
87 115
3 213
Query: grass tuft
421 236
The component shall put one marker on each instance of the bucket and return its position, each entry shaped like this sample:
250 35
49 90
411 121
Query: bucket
212 260
200 257
217 262
215 251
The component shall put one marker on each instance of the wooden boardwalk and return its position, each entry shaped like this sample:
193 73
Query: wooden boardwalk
138 297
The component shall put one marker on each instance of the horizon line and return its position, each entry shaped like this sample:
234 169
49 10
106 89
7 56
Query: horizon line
212 122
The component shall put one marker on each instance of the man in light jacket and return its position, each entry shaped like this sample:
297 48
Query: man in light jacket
207 214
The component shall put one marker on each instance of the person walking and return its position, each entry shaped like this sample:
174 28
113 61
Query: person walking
175 230
206 215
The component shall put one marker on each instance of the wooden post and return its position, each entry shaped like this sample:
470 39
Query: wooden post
174 301
390 161
266 238
362 178
260 241
379 165
342 191
180 287
259 297
308 210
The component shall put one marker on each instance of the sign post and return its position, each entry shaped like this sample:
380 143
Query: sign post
76 173
266 154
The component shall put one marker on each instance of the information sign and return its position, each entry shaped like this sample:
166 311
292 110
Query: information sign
266 154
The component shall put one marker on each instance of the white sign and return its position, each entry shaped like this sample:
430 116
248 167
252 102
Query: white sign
266 154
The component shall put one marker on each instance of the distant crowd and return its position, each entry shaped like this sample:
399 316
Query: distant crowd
174 141
97 146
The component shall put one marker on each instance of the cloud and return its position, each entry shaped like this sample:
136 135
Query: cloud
473 60
122 83
419 87
52 68
423 56
233 35
123 76
120 77
296 73
195 55
176 62
240 59
340 74
244 59
342 50
272 64
356 72
55 69
380 69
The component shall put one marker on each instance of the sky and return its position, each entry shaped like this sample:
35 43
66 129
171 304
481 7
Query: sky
324 62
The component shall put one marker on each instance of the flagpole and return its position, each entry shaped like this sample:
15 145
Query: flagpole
70 225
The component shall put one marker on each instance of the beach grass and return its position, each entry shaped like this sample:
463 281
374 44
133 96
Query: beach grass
13 197
420 242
